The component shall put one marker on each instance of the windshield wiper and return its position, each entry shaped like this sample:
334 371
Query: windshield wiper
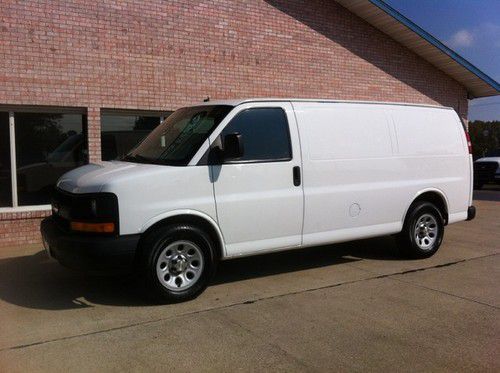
136 158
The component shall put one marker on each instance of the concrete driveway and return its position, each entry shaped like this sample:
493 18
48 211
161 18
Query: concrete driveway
353 306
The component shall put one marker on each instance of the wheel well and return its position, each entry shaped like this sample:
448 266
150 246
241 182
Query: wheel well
437 200
194 220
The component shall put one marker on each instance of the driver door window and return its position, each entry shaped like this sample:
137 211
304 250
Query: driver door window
265 134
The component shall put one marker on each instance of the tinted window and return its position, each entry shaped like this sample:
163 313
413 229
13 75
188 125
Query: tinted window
264 133
47 146
5 182
120 133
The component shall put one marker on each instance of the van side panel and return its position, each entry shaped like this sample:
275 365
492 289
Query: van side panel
426 132
348 171
433 154
363 165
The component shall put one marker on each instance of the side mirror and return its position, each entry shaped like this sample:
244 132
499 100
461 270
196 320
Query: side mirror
233 146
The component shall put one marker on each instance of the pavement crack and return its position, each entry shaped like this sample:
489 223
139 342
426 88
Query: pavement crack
402 273
447 293
423 268
249 302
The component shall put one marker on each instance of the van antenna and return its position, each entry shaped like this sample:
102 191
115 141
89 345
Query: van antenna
207 99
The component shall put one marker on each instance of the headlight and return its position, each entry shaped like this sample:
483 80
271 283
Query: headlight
97 213
92 212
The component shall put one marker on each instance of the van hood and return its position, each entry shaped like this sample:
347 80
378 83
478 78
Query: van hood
95 178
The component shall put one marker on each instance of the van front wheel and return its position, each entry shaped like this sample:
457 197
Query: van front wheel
177 262
422 232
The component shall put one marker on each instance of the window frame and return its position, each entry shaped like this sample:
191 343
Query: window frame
218 142
12 110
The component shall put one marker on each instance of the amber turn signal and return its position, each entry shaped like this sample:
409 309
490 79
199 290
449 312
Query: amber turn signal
93 227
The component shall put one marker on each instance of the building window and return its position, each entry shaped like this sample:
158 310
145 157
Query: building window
46 145
5 170
123 130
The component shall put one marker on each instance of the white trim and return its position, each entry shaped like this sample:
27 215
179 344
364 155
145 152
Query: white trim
25 208
13 163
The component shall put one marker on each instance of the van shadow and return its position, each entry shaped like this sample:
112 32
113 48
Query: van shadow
489 192
382 248
36 282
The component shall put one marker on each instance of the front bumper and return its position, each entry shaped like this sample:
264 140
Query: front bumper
85 252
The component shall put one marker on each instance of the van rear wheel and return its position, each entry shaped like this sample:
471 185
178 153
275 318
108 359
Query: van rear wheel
423 231
177 262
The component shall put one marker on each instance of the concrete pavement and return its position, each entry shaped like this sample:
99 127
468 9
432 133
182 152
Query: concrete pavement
353 306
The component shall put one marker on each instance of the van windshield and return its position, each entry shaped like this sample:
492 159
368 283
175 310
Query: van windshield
176 140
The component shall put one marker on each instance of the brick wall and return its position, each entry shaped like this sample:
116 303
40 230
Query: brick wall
20 228
160 55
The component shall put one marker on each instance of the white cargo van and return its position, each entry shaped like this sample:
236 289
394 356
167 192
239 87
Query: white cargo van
232 178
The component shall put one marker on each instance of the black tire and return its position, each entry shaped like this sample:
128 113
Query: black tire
410 241
152 246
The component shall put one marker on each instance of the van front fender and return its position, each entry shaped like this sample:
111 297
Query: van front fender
187 213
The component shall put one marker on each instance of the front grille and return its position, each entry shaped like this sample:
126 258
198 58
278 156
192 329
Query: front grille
485 171
61 207
61 222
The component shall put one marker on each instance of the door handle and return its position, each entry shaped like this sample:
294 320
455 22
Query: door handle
296 176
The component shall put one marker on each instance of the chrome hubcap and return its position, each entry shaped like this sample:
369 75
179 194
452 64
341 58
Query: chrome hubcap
179 265
426 231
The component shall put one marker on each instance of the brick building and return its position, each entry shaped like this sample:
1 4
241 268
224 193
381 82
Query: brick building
83 81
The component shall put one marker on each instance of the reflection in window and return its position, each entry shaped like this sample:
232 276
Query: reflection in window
5 181
47 146
121 132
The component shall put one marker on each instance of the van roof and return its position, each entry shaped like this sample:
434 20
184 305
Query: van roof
236 102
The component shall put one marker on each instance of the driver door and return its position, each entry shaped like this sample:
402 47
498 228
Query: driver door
259 196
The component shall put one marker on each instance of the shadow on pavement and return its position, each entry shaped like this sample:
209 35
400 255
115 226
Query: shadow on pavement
382 248
34 281
489 192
